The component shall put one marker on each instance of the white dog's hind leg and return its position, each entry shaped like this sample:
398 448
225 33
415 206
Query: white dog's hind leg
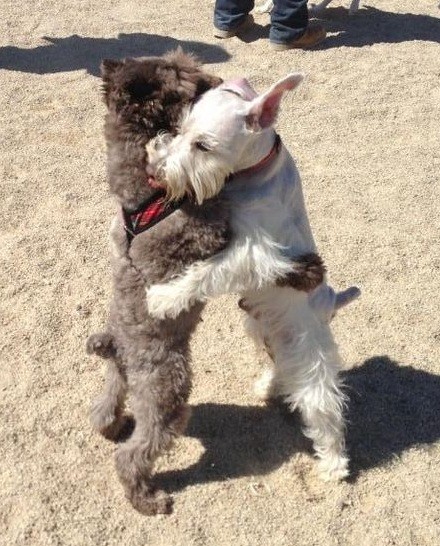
263 387
306 373
311 376
324 302
320 401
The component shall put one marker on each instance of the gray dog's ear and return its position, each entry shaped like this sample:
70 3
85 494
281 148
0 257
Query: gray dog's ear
108 68
263 110
109 71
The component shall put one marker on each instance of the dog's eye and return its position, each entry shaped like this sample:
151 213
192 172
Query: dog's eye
200 145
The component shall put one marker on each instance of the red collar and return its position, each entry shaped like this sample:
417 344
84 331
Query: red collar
275 150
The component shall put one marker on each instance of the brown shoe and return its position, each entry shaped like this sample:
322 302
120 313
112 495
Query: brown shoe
314 35
247 22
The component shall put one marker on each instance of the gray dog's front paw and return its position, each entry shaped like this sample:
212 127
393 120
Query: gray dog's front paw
101 344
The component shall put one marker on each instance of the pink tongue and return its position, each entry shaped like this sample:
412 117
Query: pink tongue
242 87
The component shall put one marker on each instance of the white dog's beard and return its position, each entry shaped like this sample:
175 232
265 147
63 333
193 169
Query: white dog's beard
200 174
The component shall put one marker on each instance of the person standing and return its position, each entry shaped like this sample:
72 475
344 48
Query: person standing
289 20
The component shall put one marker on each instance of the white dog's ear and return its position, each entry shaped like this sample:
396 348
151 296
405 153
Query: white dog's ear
263 110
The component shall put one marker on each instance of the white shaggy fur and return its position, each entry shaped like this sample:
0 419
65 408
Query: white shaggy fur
230 129
305 372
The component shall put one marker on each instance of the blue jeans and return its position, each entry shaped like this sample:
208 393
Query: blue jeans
289 18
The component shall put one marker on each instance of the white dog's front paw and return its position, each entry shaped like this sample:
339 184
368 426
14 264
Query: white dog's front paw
163 302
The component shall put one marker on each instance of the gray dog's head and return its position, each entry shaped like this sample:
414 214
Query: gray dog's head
143 97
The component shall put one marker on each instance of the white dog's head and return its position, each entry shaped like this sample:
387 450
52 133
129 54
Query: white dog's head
219 136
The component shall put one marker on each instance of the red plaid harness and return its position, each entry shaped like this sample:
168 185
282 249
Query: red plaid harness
149 213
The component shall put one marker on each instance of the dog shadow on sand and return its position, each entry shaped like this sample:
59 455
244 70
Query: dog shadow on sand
85 53
392 408
367 27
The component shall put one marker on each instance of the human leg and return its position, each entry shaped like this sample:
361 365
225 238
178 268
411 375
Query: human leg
290 26
231 16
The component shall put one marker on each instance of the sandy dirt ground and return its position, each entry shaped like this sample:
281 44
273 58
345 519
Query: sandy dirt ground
365 131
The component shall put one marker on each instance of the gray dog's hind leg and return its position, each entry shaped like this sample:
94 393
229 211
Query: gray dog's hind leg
158 400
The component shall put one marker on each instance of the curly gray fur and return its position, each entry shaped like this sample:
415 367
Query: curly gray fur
147 359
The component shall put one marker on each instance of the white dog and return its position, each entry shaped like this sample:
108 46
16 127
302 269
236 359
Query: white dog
228 135
314 9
